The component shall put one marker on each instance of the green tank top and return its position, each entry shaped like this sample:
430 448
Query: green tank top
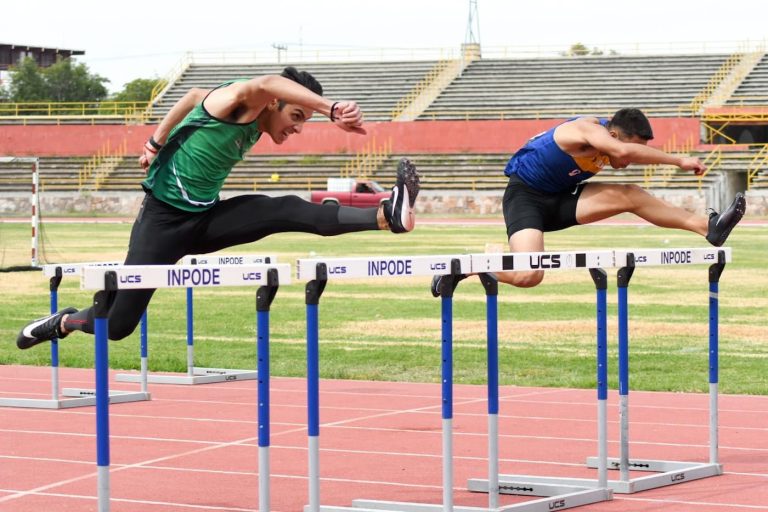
189 171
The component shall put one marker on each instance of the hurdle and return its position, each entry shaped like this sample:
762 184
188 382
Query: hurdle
76 397
318 272
197 375
666 472
558 493
109 280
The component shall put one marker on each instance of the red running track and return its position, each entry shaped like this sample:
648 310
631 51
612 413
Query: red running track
194 448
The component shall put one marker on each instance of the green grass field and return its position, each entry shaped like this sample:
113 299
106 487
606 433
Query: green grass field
390 330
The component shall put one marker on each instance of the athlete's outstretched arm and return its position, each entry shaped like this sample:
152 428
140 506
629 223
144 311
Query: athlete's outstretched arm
598 137
257 93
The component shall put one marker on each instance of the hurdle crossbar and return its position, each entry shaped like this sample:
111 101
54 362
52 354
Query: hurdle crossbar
381 266
107 280
76 397
199 375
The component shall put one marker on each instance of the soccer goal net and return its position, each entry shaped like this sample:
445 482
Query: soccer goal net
20 183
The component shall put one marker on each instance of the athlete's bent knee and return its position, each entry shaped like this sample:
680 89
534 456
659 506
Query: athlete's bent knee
530 279
522 279
118 330
632 192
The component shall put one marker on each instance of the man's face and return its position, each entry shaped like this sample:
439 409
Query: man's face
616 133
282 123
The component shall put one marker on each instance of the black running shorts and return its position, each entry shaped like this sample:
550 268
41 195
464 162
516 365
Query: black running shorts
163 234
527 208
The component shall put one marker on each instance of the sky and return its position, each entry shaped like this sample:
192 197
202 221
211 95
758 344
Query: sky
146 39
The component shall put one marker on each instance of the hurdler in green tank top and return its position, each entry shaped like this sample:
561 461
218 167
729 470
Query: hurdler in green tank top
189 171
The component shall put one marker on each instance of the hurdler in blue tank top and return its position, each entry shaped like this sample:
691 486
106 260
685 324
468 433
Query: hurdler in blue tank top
543 166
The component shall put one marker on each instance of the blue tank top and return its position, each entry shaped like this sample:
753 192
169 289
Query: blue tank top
543 166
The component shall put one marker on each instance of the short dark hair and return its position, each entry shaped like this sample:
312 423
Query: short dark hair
303 78
632 122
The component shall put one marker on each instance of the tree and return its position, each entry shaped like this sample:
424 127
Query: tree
63 81
68 81
27 82
580 50
139 89
577 50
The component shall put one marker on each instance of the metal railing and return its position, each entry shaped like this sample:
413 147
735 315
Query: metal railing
652 171
100 165
546 113
368 159
757 164
299 53
429 82
715 82
712 160
711 131
117 109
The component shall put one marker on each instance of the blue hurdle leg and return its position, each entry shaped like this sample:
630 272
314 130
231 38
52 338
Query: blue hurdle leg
190 333
314 290
144 349
623 278
101 310
55 281
715 271
447 395
447 287
491 285
600 279
264 297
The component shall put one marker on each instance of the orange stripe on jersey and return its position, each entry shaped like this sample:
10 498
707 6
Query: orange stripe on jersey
593 164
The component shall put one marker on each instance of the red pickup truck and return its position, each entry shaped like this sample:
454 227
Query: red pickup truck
350 192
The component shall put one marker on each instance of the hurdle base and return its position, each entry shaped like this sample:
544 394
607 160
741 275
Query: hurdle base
34 403
78 398
559 500
558 493
199 376
666 473
392 506
88 396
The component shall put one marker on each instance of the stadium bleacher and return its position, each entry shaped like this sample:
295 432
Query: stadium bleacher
376 86
753 90
490 88
55 173
561 87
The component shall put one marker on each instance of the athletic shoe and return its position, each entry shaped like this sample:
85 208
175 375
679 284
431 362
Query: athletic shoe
43 329
435 287
398 209
720 225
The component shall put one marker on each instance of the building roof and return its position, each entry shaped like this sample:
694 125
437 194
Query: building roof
10 54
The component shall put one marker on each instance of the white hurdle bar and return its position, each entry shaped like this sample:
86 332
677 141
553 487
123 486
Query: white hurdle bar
107 280
198 375
666 472
76 397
